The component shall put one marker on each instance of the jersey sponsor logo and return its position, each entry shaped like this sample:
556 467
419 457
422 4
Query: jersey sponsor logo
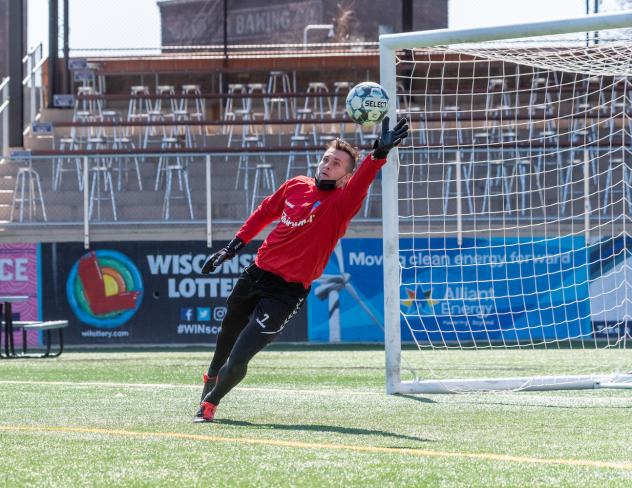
299 223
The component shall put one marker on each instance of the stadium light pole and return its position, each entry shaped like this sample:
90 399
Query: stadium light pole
53 47
16 94
67 80
407 15
225 33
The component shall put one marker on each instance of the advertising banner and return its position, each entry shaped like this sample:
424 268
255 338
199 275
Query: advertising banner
18 276
347 302
143 292
498 289
611 287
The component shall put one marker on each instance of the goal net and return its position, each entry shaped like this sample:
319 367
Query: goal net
506 212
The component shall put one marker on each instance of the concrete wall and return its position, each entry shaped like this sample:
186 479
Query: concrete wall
187 22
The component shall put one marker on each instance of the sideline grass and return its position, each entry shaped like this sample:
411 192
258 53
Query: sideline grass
301 418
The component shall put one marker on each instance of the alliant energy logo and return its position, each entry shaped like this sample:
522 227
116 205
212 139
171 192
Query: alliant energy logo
104 289
417 299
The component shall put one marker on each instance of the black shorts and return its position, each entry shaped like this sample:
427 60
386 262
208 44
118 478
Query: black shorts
263 301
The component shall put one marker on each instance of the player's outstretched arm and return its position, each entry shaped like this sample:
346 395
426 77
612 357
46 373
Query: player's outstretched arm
222 255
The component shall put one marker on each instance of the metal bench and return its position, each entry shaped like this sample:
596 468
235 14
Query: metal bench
44 326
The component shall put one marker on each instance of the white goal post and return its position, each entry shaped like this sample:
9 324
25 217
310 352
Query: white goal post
517 170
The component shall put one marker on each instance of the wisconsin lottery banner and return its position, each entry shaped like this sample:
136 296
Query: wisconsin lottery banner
498 289
142 292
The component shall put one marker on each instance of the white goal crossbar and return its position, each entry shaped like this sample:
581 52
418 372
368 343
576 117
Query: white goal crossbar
389 47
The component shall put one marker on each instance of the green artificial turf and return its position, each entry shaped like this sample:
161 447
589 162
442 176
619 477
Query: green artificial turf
302 417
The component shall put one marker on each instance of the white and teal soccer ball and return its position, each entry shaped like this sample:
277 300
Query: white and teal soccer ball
367 103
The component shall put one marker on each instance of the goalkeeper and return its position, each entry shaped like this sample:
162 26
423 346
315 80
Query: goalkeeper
313 215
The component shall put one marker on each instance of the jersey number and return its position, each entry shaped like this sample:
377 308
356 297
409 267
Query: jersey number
261 321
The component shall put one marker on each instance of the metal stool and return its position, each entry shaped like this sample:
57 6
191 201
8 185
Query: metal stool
66 144
264 183
100 175
244 159
81 134
115 130
338 108
504 170
594 95
497 100
540 94
198 111
304 118
247 128
159 113
296 143
318 100
138 108
182 131
229 114
29 189
262 105
279 83
125 144
583 134
613 164
179 166
465 177
166 143
166 91
92 105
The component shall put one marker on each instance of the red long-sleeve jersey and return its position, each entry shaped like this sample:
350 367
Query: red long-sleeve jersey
310 223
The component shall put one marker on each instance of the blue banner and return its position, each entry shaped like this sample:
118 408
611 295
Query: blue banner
347 302
485 291
498 290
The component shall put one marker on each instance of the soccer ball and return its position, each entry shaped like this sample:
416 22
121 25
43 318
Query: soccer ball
367 103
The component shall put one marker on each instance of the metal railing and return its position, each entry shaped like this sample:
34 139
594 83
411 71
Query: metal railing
32 64
32 83
4 117
115 189
236 51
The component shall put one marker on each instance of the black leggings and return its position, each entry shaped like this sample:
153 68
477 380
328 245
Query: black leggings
258 309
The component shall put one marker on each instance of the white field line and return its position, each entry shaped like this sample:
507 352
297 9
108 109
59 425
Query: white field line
519 399
153 386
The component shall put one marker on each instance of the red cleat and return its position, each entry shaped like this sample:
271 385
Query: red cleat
206 413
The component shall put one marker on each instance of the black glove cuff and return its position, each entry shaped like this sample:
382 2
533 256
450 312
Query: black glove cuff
380 154
236 244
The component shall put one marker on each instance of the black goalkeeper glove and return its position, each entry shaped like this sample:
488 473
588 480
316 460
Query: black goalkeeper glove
389 138
222 255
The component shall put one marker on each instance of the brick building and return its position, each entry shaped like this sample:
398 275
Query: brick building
186 22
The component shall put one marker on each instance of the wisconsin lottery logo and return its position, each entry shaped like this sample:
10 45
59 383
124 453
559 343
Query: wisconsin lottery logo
104 289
